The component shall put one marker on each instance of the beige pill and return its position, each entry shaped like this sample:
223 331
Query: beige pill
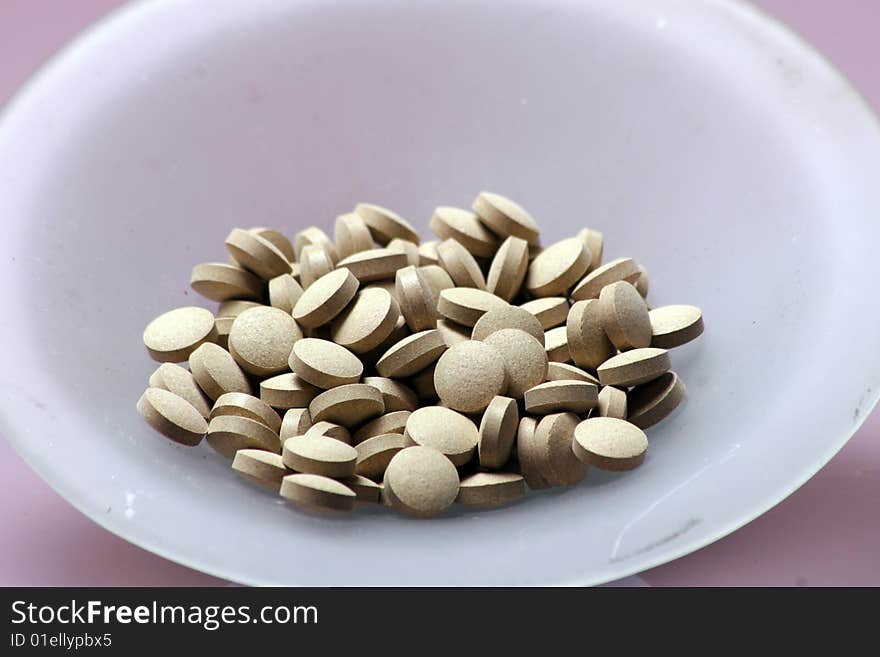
278 240
642 283
437 278
320 456
286 391
617 270
468 375
348 405
374 265
428 253
256 254
367 321
449 432
317 493
461 266
365 489
557 268
232 308
216 371
505 218
672 326
550 311
418 301
284 292
490 489
559 396
556 345
410 249
220 281
260 467
423 384
325 298
464 227
315 262
567 372
395 395
610 444
316 237
181 382
401 331
242 405
386 225
453 333
229 433
529 454
352 235
624 316
653 401
497 432
324 429
612 403
554 436
633 367
588 344
421 482
172 416
223 326
375 453
525 360
174 335
324 364
412 354
594 241
507 317
295 423
466 305
393 422
261 338
508 269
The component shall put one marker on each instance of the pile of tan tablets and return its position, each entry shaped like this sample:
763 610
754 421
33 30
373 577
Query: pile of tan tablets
375 367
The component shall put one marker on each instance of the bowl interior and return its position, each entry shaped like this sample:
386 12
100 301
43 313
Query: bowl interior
699 137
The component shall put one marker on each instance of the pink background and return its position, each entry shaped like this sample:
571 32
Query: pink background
827 533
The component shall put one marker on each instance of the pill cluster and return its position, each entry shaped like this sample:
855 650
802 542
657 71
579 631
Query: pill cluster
375 367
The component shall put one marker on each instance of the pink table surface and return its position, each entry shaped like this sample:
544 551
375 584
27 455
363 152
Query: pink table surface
827 533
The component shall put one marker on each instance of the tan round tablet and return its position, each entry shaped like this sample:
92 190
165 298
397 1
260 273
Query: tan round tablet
617 270
423 384
260 467
181 382
352 235
468 375
410 249
588 344
367 322
324 429
498 432
261 338
466 305
451 433
453 333
418 301
557 268
242 405
295 423
395 395
568 372
317 237
508 269
421 482
550 311
223 326
324 364
505 217
286 391
672 326
559 396
642 283
437 278
460 264
278 239
317 493
556 345
256 254
172 416
174 335
235 307
216 371
594 241
428 253
284 292
412 354
348 405
374 265
507 317
229 433
386 225
320 456
625 316
315 262
375 453
651 402
464 227
612 403
401 331
220 281
325 298
633 367
555 435
490 489
394 422
525 360
529 454
608 443
366 489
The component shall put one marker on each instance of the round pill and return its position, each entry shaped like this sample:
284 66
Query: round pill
229 433
524 358
633 367
464 227
348 405
261 338
374 454
295 423
242 405
181 382
278 240
352 235
317 237
260 467
412 354
460 264
529 454
498 432
555 435
556 345
371 357
428 253
224 326
594 241
490 489
610 444
453 333
624 316
617 270
172 416
235 307
505 217
466 305
315 263
284 292
317 493
374 265
367 321
395 395
550 311
324 429
418 301
437 279
567 372
672 326
173 336
220 281
612 403
324 364
468 375
449 432
386 225
394 422
508 269
365 489
286 391
325 298
410 249
588 344
216 371
320 456
557 396
507 317
256 254
642 283
557 268
421 482
651 402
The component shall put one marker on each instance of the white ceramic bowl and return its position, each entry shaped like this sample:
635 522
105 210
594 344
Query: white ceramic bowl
701 137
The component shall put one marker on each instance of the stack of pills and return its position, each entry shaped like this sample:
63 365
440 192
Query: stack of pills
374 367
